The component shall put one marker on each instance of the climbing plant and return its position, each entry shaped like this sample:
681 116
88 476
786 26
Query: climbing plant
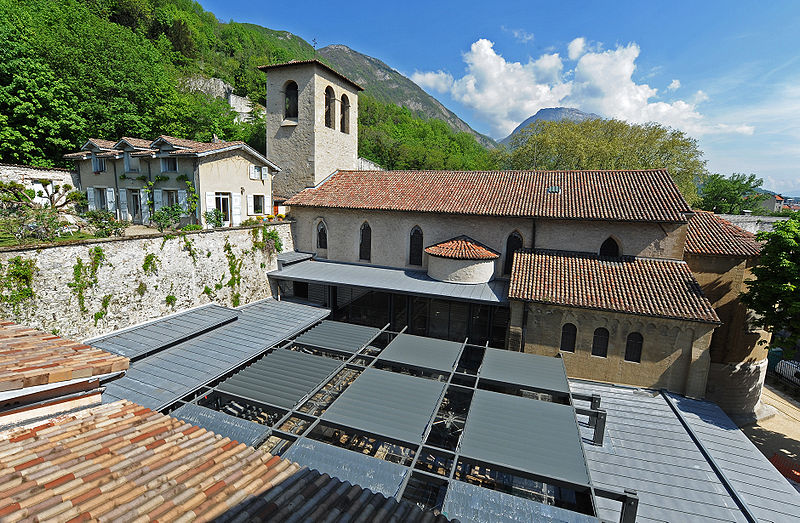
150 264
235 269
99 315
17 283
84 276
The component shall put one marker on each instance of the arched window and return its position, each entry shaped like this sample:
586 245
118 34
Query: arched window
610 248
569 333
633 347
600 342
290 101
330 107
365 245
415 247
513 244
322 236
344 124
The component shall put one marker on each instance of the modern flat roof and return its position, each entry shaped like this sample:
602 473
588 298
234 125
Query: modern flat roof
524 370
422 352
338 336
403 281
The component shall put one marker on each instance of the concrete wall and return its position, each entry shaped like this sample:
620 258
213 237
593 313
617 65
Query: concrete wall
54 306
230 172
460 271
675 353
754 224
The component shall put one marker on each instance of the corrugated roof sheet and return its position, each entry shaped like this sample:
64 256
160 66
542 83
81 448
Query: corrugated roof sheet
643 286
120 460
387 404
525 370
397 280
153 336
419 351
162 378
649 196
29 357
709 234
243 431
525 434
335 335
281 378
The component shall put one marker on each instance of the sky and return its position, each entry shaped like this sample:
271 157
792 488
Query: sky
726 73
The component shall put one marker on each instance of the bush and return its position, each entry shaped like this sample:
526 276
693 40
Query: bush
214 218
167 217
192 227
251 221
104 223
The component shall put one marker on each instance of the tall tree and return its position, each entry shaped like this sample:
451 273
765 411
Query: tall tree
731 195
775 293
607 144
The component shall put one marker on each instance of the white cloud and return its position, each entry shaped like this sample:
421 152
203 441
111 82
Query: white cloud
522 36
576 48
504 93
675 84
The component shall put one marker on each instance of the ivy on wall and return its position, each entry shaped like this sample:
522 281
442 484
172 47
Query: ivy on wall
84 276
17 283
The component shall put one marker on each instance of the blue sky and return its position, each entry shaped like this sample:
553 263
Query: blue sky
727 73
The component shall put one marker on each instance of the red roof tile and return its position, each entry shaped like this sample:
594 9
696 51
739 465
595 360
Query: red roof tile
649 196
29 357
643 286
708 234
122 460
140 143
462 248
102 144
266 68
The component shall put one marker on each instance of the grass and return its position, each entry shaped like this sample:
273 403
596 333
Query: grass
7 240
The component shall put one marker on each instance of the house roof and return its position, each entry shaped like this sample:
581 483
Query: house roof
649 196
137 143
266 68
709 234
99 143
29 358
462 248
642 286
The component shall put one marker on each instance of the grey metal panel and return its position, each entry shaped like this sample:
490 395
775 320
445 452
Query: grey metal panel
220 423
282 378
418 351
288 257
210 355
647 449
467 502
338 336
523 369
387 404
374 474
390 279
154 336
525 434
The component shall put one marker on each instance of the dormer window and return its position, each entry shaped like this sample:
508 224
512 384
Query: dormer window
169 165
98 164
131 163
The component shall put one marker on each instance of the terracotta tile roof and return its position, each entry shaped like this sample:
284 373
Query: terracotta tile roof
709 234
110 154
29 357
140 143
266 68
80 155
649 196
462 248
121 460
102 144
643 286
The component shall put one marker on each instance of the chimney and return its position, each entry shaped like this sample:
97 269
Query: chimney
215 139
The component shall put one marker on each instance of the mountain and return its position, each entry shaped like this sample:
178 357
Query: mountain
551 114
387 85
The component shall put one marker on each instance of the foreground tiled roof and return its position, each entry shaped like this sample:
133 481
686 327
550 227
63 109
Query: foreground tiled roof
266 68
644 286
708 234
649 196
462 248
121 460
29 357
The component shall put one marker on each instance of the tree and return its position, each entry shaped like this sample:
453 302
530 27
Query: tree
607 144
731 195
775 292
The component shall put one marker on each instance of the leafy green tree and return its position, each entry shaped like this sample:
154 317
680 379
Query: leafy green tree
775 292
731 195
607 144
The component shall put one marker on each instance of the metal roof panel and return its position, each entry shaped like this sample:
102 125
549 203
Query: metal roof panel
525 370
422 352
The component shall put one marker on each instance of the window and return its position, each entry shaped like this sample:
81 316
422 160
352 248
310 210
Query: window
415 247
569 333
633 347
222 202
100 201
610 248
600 342
131 163
344 124
322 236
170 198
290 101
98 164
169 165
258 204
365 245
513 244
330 108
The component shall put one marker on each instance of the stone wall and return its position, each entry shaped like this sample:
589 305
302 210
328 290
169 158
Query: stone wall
754 224
125 293
26 174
